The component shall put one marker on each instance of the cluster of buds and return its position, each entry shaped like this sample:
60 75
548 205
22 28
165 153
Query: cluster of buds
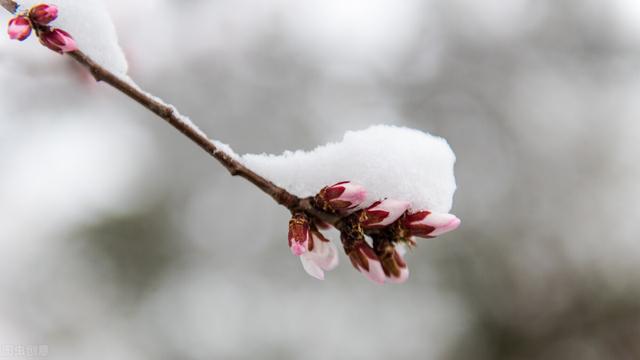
38 19
374 237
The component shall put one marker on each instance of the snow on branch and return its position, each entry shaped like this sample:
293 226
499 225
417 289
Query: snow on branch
389 161
381 188
89 23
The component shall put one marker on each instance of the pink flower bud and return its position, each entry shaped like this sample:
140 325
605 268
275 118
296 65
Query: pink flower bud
43 14
383 213
299 234
19 28
343 195
390 255
59 41
365 260
427 224
322 256
397 269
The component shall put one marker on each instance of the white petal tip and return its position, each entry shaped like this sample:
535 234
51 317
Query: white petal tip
312 268
450 226
375 273
404 276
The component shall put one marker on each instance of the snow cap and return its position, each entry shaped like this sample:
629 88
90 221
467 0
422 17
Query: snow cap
89 23
389 161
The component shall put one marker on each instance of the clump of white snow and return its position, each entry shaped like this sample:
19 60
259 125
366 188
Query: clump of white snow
391 162
225 148
89 23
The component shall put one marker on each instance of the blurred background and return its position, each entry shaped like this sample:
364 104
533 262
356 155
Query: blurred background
120 239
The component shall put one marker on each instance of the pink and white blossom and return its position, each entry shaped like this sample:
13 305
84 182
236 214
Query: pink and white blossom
316 253
383 213
428 224
19 28
322 256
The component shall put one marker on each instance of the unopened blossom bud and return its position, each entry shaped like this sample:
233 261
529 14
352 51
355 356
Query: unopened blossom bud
322 255
365 260
341 196
428 224
299 234
383 213
59 41
393 265
43 14
362 256
19 28
403 270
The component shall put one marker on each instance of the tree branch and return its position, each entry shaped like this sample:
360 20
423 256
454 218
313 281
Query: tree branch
171 115
318 210
10 5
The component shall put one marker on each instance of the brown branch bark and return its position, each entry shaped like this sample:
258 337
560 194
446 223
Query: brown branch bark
167 113
170 115
11 6
235 168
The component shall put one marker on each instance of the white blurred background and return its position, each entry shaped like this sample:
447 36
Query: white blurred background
119 239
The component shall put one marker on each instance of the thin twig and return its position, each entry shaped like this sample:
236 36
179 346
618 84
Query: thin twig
166 112
11 6
170 115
